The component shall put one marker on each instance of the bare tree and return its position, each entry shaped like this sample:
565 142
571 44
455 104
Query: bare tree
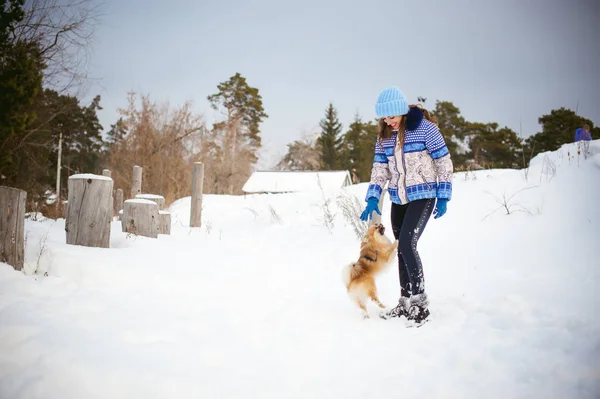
525 158
63 30
162 141
351 209
303 154
328 214
228 160
508 203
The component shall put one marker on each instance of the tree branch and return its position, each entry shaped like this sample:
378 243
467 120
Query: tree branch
186 134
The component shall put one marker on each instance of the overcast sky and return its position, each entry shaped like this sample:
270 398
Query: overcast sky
507 61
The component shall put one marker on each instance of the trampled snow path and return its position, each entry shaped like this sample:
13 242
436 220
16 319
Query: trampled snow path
252 307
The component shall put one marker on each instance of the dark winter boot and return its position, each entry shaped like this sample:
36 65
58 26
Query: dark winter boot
418 311
400 310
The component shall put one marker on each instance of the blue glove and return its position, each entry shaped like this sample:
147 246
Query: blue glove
372 205
440 208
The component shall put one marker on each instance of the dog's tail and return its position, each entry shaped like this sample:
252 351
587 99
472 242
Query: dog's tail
350 272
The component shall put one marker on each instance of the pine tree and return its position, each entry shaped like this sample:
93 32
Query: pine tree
81 134
453 127
492 147
117 132
244 112
358 146
330 140
368 139
350 152
21 75
242 104
558 128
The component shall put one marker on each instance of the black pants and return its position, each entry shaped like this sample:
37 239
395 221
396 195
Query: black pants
408 222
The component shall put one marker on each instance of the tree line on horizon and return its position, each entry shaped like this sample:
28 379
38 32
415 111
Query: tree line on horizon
472 145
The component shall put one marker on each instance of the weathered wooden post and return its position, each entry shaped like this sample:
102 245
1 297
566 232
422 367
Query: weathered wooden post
136 181
107 173
376 218
90 210
119 204
165 222
197 186
164 218
140 217
65 209
58 168
12 226
159 199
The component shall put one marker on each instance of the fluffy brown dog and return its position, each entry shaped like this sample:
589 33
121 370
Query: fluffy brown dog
376 250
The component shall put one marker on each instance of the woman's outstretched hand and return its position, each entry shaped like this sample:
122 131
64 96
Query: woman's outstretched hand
372 205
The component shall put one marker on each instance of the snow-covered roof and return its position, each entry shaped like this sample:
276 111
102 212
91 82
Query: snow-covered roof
296 181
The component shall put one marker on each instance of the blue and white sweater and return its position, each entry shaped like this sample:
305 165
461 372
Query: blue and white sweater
421 169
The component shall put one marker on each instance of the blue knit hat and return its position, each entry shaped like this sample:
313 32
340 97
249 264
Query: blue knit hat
391 102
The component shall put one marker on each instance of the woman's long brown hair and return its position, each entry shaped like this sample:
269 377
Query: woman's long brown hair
385 131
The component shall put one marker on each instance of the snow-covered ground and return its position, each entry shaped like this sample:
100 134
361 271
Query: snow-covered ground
252 304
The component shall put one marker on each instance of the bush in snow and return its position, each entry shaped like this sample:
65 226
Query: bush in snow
351 209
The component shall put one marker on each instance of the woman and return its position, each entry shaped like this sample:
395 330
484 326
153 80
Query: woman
411 157
583 138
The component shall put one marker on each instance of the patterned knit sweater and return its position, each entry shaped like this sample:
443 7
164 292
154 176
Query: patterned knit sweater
421 169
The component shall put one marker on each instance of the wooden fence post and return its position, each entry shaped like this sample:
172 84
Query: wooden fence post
159 199
12 226
165 222
65 209
119 200
164 218
197 186
140 217
107 173
90 210
136 181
